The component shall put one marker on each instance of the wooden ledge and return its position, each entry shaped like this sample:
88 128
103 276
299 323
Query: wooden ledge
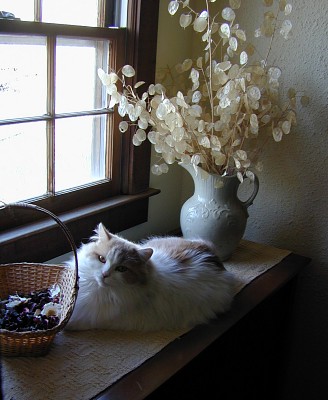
144 380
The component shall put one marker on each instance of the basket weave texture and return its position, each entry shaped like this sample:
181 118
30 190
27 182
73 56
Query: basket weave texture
27 277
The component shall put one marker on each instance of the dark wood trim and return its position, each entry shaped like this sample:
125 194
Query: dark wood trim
44 28
144 380
42 240
141 53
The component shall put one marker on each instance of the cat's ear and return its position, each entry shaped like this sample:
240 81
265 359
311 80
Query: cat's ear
145 254
103 233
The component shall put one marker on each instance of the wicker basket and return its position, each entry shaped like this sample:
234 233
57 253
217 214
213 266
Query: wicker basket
27 277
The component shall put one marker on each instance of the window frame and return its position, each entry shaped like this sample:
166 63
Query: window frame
120 204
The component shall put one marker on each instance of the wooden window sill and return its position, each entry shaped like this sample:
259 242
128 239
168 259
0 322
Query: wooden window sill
42 240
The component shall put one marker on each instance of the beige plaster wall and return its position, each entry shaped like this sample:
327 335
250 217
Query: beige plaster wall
290 210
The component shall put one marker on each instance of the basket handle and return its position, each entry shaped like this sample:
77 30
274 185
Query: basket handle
64 228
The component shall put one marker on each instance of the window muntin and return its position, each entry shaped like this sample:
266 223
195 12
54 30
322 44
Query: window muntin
62 83
121 202
53 78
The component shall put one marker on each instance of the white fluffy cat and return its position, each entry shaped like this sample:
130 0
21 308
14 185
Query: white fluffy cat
162 283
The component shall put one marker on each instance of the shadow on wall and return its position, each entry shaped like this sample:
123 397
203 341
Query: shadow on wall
289 209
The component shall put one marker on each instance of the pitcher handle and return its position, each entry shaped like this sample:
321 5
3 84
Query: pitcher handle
256 184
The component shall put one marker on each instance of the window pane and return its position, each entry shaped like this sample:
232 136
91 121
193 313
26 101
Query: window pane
23 74
78 87
72 12
22 9
79 151
123 7
23 161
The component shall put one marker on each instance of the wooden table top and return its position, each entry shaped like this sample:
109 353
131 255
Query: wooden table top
154 372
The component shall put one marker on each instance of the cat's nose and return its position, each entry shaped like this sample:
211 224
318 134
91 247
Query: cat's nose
105 274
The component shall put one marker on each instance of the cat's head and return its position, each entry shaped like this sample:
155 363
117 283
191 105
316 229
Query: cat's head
113 261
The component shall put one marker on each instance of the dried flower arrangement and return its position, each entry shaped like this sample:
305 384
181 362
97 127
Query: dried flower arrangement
38 310
232 105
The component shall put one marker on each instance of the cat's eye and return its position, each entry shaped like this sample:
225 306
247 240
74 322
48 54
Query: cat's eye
121 268
102 259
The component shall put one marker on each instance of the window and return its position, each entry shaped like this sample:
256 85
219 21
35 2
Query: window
59 145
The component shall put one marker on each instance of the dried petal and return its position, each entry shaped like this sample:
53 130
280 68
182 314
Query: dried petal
128 71
228 14
107 79
178 134
194 75
200 24
286 125
240 176
141 135
223 66
241 154
253 121
205 142
220 158
266 119
196 97
253 92
153 137
243 58
199 62
136 141
187 64
156 170
286 28
233 43
274 73
111 89
257 33
142 123
51 309
173 7
233 72
151 89
241 35
123 126
164 168
225 30
288 9
138 84
185 20
277 134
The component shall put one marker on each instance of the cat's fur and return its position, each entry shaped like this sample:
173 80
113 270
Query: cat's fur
163 283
